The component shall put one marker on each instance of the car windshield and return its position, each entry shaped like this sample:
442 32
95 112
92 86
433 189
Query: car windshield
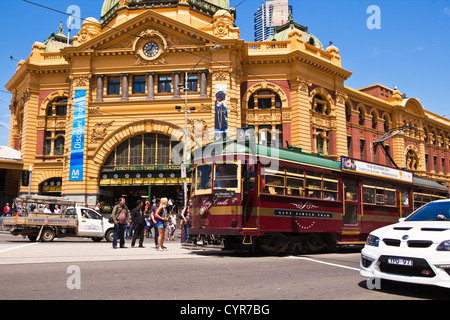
434 211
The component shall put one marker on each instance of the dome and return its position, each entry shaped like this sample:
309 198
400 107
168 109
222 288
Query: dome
225 4
108 5
282 33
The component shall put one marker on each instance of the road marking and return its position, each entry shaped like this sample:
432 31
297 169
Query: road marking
327 263
18 247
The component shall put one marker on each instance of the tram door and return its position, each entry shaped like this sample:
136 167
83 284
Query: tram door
351 207
249 197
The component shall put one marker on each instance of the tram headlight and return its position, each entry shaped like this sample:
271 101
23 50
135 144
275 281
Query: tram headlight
373 241
202 211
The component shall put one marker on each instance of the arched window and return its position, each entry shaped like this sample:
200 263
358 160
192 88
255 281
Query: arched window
321 105
387 122
264 99
361 116
55 118
146 149
374 119
348 111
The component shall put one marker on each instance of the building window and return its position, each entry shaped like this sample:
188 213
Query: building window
361 116
148 149
387 123
54 143
443 166
58 107
348 112
113 85
374 120
138 84
192 83
362 147
165 84
349 146
321 105
264 99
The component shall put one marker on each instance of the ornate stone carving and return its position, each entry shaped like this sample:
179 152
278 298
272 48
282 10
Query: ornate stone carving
100 131
80 80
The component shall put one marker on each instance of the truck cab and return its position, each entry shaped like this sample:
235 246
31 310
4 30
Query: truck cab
91 224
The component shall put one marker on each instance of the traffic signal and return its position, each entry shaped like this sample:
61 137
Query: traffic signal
25 178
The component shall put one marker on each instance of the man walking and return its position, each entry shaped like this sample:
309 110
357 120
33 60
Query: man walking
138 220
121 217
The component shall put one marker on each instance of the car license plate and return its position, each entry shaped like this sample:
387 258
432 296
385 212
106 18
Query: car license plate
400 261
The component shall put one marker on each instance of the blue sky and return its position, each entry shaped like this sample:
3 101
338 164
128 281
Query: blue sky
411 49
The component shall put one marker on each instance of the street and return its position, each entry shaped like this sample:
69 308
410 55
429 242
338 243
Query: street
79 269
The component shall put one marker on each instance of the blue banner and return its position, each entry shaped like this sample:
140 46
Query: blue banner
79 127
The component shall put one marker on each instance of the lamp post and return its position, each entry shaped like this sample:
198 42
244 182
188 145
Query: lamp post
186 79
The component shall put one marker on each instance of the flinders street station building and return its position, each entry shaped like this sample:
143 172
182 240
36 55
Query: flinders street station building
99 116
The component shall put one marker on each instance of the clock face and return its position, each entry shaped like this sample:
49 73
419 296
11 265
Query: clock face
150 49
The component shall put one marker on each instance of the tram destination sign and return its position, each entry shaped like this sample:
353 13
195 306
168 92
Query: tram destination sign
376 170
301 214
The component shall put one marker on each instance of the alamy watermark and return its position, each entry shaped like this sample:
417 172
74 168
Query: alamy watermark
374 20
74 280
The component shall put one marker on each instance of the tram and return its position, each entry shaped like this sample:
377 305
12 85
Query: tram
282 200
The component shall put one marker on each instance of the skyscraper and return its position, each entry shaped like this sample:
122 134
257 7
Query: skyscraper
271 14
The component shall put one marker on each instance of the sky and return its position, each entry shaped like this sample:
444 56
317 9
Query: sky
403 43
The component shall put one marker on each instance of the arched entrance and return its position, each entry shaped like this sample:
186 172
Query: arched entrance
143 166
139 160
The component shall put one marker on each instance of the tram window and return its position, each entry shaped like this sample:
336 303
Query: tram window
330 187
274 182
350 191
226 176
203 178
390 196
369 193
313 185
295 187
404 197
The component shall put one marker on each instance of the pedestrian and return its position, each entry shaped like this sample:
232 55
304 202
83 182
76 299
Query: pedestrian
161 219
7 210
184 224
152 216
138 220
121 218
171 226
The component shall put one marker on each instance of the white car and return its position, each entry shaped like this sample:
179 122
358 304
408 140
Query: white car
415 250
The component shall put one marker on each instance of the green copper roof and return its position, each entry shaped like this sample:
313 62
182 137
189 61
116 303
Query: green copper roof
109 4
282 33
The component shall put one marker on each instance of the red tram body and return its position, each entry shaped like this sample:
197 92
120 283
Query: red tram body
285 201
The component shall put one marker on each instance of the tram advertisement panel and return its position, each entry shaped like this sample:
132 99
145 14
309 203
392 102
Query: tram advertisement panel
353 165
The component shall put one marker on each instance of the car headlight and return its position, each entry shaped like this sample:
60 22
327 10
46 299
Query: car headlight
444 246
372 241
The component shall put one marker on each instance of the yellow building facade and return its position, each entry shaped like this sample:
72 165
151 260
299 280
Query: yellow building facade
103 116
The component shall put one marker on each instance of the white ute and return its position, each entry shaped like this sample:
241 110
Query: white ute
74 222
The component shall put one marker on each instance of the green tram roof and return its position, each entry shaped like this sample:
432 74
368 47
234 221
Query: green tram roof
429 184
289 155
297 156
